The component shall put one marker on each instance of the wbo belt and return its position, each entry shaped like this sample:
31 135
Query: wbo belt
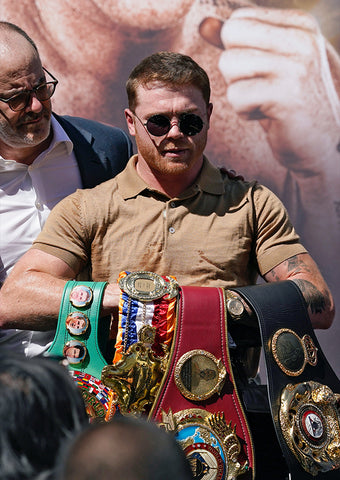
303 390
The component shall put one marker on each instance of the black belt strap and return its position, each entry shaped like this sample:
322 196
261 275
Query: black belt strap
281 306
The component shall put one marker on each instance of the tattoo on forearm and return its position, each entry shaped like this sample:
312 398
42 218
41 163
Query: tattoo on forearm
296 265
314 298
293 264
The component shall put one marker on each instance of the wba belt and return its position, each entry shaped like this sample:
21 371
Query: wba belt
303 390
198 398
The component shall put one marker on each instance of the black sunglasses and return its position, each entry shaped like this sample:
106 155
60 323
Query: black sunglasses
159 125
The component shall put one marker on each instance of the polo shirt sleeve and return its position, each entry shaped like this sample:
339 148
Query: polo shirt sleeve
64 233
275 237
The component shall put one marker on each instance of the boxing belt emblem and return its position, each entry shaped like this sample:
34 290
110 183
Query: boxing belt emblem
80 339
310 423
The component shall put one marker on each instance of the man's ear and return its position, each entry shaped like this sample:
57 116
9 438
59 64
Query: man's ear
129 116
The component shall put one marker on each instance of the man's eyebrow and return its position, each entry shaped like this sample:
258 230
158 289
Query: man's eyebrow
17 90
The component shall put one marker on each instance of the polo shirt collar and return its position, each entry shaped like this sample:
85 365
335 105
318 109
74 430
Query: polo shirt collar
130 184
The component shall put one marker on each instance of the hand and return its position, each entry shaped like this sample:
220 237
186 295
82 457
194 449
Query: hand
276 69
111 298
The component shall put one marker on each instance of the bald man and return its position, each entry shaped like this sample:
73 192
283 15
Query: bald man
43 158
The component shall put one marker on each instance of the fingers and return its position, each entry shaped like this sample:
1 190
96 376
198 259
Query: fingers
278 17
258 32
216 31
210 29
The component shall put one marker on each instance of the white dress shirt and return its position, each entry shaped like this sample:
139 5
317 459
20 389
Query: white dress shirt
27 195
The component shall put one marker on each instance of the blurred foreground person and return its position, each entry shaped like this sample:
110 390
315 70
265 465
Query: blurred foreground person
40 408
126 447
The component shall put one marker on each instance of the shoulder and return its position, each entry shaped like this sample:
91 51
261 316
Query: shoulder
92 128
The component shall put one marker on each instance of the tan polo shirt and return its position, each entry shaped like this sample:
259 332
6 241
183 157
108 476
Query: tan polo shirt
219 232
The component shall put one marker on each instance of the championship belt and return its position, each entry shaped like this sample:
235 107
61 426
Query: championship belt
198 400
146 324
81 338
303 390
183 380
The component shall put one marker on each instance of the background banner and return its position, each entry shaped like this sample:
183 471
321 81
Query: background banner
275 76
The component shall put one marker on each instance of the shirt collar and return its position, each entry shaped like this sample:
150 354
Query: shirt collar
60 136
130 184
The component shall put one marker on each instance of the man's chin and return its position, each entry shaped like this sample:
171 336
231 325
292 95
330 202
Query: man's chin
34 136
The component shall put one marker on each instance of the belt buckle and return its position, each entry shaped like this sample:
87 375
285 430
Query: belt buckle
147 286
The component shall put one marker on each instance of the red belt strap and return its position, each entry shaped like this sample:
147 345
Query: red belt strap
202 325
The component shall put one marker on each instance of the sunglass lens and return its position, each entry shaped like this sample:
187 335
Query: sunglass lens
190 124
19 102
158 125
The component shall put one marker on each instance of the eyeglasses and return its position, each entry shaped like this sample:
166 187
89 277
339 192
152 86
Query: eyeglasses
159 125
43 92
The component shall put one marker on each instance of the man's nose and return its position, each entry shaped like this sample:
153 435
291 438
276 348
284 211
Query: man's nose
34 104
174 130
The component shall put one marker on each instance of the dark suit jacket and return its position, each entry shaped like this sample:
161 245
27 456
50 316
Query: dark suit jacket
102 151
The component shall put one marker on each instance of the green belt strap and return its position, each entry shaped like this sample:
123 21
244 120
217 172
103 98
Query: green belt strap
94 339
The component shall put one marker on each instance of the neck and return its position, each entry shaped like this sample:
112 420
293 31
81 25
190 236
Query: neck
170 184
25 155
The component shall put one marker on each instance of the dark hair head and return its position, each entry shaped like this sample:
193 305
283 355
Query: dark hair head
40 408
170 69
11 27
126 447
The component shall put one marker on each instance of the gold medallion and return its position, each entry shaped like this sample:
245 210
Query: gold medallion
148 286
291 352
74 351
77 323
209 442
199 375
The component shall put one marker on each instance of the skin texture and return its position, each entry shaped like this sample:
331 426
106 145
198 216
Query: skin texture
170 163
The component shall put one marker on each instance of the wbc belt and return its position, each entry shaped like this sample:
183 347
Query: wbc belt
81 339
198 400
303 390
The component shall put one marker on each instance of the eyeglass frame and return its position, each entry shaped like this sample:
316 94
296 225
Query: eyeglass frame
31 91
170 124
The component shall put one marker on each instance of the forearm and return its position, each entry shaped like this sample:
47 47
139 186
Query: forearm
319 303
37 305
31 302
303 270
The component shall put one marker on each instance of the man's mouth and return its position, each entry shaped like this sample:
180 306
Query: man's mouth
27 121
174 151
33 118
